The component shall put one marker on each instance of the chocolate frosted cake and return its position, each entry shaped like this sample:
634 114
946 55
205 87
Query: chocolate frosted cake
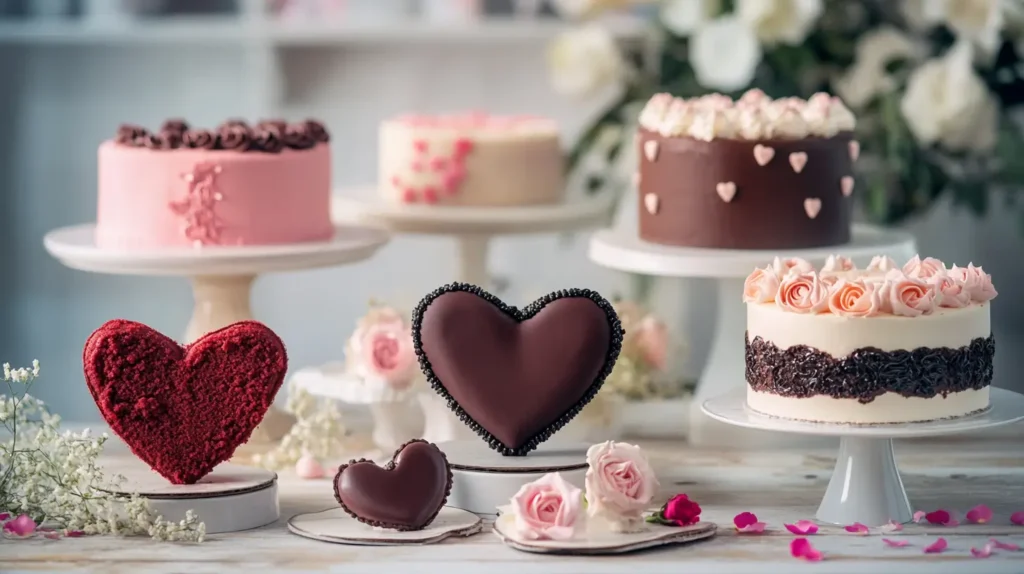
880 345
752 174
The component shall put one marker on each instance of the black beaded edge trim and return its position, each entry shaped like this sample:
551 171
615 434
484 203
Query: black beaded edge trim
389 467
519 315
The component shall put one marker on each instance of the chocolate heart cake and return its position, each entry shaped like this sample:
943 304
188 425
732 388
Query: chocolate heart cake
405 494
183 410
515 376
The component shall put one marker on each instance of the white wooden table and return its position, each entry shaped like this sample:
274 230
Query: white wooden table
954 473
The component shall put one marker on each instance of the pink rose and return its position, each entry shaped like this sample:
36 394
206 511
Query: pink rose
838 264
652 340
952 291
761 286
620 484
975 281
910 297
855 299
803 293
385 350
547 508
881 263
918 269
784 267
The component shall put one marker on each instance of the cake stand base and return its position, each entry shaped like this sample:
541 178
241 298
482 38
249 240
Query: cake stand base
232 498
336 526
866 486
483 480
622 249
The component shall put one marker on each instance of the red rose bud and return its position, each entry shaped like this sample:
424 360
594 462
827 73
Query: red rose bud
680 511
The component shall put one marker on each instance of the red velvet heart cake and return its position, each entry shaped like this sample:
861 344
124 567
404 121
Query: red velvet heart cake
405 494
184 410
516 376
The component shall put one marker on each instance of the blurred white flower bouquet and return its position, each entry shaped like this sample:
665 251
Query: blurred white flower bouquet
935 84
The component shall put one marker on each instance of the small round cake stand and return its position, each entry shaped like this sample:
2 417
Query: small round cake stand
622 249
221 277
865 486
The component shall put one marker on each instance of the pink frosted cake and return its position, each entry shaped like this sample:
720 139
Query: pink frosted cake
236 185
471 159
879 345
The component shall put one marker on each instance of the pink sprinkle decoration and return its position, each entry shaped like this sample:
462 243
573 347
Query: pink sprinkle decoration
439 164
979 514
409 195
941 517
420 145
896 543
802 527
23 525
984 552
430 195
416 166
1003 545
801 548
462 147
919 515
395 182
936 547
747 522
1017 518
891 526
857 528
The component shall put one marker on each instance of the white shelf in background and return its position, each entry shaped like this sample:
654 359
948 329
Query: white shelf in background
176 30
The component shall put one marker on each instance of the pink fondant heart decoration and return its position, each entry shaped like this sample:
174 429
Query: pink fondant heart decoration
798 160
854 150
726 190
651 150
183 410
846 185
651 203
812 205
763 154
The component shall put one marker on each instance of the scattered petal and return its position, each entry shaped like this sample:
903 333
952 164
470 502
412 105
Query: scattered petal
4 516
20 526
747 522
979 514
941 517
891 526
51 534
936 547
919 515
984 552
801 548
857 528
900 543
1017 518
1003 545
802 527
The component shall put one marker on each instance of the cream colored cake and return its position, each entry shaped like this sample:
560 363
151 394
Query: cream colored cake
885 344
472 159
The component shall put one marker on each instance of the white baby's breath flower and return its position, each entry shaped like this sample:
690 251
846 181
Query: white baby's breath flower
684 17
585 60
780 21
725 54
868 78
946 103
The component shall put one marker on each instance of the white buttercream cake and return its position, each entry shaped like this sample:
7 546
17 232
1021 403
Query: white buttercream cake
885 344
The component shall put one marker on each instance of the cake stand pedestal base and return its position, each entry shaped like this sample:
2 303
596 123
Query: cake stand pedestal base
232 498
866 486
483 480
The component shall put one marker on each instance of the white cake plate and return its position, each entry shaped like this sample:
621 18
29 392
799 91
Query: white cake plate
865 486
221 277
623 250
336 526
232 498
483 480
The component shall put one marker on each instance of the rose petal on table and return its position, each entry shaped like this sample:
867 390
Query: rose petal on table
74 533
755 528
896 543
802 527
891 526
979 514
936 547
51 534
4 516
747 522
23 525
857 528
983 552
941 517
919 515
1017 518
1003 545
801 548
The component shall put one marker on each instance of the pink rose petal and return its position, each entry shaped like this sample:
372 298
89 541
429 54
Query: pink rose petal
20 526
1017 518
52 535
802 527
891 526
801 548
979 514
984 552
1003 545
755 528
4 516
941 517
896 543
857 528
936 547
747 522
919 515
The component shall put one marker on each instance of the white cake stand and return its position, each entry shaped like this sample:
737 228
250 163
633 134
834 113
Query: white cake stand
221 277
866 485
623 250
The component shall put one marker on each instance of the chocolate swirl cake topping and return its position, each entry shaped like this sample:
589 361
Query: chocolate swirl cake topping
803 371
279 125
199 139
268 136
153 141
172 139
176 125
129 134
317 131
235 137
269 139
296 136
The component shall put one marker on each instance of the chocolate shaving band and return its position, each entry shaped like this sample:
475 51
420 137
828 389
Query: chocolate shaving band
240 137
803 371
519 315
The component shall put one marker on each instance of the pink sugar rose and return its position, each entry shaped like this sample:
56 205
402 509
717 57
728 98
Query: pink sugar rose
652 340
547 508
838 264
975 281
620 484
953 293
851 298
881 263
909 297
385 349
785 267
917 268
803 293
761 286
